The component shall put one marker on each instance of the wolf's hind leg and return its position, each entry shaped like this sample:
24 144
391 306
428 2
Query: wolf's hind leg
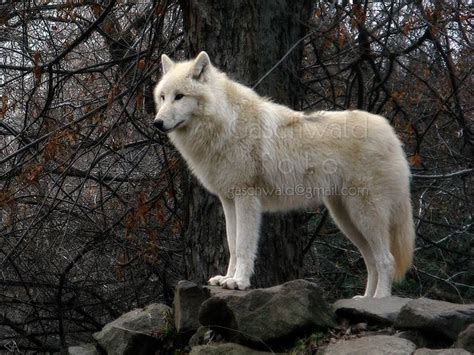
371 220
342 219
379 240
248 217
229 212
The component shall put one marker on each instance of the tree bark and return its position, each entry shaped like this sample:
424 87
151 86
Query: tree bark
246 39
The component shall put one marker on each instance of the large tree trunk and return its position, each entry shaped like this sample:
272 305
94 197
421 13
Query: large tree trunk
246 39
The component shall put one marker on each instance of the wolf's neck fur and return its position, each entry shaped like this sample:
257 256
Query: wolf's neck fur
211 132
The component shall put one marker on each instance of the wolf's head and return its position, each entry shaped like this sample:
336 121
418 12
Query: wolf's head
179 94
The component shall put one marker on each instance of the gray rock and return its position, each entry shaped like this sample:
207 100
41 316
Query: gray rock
466 339
188 298
371 345
217 290
420 339
273 316
224 349
83 349
444 318
372 310
451 351
139 331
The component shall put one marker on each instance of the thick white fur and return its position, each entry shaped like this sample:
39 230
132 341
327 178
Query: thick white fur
258 156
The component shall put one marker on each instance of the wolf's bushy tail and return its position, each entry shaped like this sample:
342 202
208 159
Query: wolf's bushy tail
402 238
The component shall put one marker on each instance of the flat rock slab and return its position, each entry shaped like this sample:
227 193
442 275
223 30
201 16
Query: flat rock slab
218 290
275 316
451 351
224 349
136 332
382 311
444 318
371 345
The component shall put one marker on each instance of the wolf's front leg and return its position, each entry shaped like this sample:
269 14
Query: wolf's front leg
248 216
229 212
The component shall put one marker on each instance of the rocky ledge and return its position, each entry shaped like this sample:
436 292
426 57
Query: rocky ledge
292 318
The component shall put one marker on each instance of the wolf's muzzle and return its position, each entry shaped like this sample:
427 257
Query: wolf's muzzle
159 124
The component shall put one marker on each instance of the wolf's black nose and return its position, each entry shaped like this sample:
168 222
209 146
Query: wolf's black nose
159 124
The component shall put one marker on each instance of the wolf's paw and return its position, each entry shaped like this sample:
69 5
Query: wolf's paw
217 280
235 284
360 297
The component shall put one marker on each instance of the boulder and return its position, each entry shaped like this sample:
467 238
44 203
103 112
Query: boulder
371 345
275 316
224 349
140 331
217 290
382 311
466 339
187 300
442 318
83 349
422 339
451 351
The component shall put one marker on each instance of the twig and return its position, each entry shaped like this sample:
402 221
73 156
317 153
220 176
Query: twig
445 176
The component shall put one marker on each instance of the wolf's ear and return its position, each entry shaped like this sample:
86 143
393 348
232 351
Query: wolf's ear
166 63
201 65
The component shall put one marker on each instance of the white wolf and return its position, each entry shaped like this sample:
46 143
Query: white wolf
259 156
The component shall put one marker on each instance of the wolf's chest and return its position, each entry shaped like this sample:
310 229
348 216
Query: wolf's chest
216 172
206 175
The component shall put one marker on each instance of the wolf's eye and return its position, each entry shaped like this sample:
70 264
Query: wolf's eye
163 97
178 96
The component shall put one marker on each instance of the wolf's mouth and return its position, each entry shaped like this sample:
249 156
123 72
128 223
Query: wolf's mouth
177 125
